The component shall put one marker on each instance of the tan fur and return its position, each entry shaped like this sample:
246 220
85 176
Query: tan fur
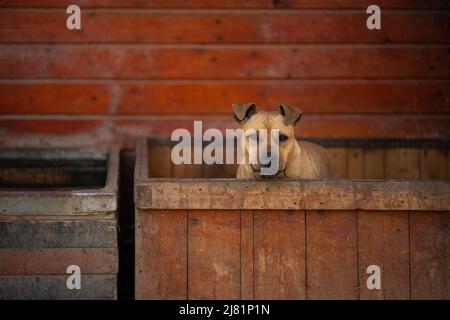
299 160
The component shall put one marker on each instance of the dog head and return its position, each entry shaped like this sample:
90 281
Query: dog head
252 120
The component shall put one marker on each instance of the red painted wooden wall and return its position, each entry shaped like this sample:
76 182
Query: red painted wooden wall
146 67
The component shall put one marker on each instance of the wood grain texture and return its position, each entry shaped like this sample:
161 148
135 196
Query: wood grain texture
373 164
430 252
280 255
402 163
383 240
304 4
56 261
292 195
212 62
40 234
160 163
81 131
432 164
93 287
214 255
247 255
331 255
137 26
161 254
216 97
355 163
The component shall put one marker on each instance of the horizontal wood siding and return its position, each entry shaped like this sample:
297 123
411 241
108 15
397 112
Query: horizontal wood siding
160 64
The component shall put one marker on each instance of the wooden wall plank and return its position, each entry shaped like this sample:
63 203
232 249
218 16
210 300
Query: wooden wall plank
214 254
160 163
430 252
279 244
217 62
331 255
140 26
60 132
402 163
303 4
247 255
93 287
383 240
355 163
58 234
432 164
374 164
56 261
161 254
340 159
216 97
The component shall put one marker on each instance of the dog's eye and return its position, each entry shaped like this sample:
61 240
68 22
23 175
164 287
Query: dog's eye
283 137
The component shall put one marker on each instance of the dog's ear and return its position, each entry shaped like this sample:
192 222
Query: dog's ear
291 115
243 111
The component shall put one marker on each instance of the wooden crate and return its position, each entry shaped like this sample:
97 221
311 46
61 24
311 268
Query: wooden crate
57 209
221 238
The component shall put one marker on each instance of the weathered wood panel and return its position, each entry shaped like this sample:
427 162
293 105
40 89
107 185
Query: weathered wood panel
216 97
383 240
247 255
373 164
402 163
432 164
161 254
355 163
101 287
214 255
331 255
225 27
340 159
430 255
124 130
303 4
159 161
293 195
293 62
56 261
58 234
280 255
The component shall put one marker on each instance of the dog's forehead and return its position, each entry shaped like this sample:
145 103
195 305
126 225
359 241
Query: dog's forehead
267 120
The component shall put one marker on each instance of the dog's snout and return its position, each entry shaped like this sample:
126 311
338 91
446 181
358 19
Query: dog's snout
266 165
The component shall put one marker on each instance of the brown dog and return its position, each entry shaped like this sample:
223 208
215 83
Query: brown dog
299 160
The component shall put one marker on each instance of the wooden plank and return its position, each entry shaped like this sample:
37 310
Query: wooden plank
303 4
340 159
247 255
383 240
430 252
56 261
217 62
432 164
293 195
355 163
188 170
216 97
161 254
402 163
160 162
279 266
231 27
93 287
374 164
331 255
214 255
58 234
60 131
